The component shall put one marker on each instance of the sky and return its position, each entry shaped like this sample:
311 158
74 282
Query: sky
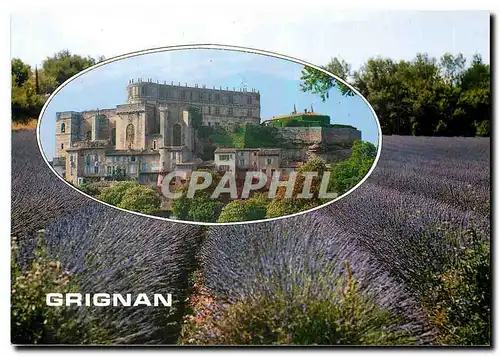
313 34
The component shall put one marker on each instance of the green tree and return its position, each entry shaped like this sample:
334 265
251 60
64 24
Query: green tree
318 82
253 208
347 174
20 71
422 96
25 103
89 188
114 194
62 66
203 208
142 199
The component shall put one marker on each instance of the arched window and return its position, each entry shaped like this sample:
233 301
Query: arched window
177 135
63 127
130 132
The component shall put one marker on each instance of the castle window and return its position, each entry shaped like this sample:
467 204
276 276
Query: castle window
113 136
154 145
200 96
108 169
177 139
230 111
62 146
217 97
209 97
249 100
185 95
249 112
209 110
143 90
217 111
269 161
63 127
230 99
132 159
130 134
96 169
88 135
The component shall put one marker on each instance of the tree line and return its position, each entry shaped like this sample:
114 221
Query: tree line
449 96
424 96
32 86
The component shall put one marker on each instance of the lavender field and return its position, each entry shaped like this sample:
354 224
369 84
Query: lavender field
403 260
408 234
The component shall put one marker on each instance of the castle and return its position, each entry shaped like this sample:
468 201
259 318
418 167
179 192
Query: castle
154 133
150 134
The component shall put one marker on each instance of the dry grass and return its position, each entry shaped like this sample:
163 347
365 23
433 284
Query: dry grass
30 125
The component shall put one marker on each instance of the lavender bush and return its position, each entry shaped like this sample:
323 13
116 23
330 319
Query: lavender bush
421 217
37 195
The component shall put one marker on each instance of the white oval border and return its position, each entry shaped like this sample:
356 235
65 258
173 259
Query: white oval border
212 47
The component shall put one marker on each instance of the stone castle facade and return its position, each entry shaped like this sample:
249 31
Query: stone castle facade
152 133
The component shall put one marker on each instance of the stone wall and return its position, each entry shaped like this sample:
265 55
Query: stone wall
339 135
335 142
301 135
320 135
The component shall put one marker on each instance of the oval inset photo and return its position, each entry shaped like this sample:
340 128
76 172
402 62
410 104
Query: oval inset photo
210 134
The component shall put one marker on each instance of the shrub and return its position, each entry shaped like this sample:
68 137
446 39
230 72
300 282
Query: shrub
253 208
270 268
458 301
204 209
141 198
109 251
114 194
345 318
89 188
350 172
32 321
